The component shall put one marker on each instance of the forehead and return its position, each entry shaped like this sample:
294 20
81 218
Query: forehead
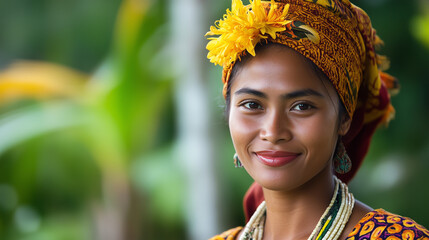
279 68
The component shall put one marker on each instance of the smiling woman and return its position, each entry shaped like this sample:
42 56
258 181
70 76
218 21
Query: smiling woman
304 94
283 119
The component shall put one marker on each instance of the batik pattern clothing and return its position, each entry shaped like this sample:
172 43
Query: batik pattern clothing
380 224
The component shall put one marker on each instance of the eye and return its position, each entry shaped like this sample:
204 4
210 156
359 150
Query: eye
302 107
252 105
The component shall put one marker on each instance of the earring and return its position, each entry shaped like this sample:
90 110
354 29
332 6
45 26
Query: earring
342 162
237 162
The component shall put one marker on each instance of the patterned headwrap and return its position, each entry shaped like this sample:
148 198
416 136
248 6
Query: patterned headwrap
335 35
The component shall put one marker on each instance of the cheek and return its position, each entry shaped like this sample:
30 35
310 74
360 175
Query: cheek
318 134
242 129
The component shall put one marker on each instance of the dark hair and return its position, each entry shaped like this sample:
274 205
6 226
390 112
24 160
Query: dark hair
239 64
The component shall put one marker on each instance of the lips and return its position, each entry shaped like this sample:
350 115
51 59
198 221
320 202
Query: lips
276 158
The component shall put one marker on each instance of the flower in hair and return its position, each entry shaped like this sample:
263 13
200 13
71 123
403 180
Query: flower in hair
242 28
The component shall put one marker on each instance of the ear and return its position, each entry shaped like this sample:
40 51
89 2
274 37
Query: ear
344 127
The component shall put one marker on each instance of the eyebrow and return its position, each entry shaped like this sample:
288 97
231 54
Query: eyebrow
302 93
251 92
292 95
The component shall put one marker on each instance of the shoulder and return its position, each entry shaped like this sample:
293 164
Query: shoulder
231 234
380 224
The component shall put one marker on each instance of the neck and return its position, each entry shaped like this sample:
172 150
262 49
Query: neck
296 213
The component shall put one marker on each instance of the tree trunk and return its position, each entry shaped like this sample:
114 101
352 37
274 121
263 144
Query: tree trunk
196 141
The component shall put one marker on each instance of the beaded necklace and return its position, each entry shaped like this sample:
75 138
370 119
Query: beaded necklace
330 225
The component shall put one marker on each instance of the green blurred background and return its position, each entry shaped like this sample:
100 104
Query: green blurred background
111 121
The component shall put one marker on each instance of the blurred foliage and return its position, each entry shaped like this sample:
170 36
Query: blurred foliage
71 142
95 138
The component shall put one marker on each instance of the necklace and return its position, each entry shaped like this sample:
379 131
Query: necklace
330 225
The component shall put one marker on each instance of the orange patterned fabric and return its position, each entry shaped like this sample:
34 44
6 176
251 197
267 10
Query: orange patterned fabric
376 225
380 224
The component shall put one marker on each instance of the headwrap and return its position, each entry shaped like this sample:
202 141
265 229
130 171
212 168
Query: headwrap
335 35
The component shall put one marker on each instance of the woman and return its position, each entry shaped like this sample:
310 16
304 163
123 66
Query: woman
304 94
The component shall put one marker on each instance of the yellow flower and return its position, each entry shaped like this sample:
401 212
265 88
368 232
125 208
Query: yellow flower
242 28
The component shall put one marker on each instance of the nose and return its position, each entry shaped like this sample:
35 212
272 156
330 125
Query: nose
275 128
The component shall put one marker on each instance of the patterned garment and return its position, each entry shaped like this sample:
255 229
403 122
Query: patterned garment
376 225
380 224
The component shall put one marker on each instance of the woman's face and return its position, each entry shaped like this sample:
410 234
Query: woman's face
283 119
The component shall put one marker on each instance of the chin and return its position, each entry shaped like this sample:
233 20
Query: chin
278 181
286 179
279 186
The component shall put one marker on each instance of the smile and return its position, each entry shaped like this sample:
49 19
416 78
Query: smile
276 158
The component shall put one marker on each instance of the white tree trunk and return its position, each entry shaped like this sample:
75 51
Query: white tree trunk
196 144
